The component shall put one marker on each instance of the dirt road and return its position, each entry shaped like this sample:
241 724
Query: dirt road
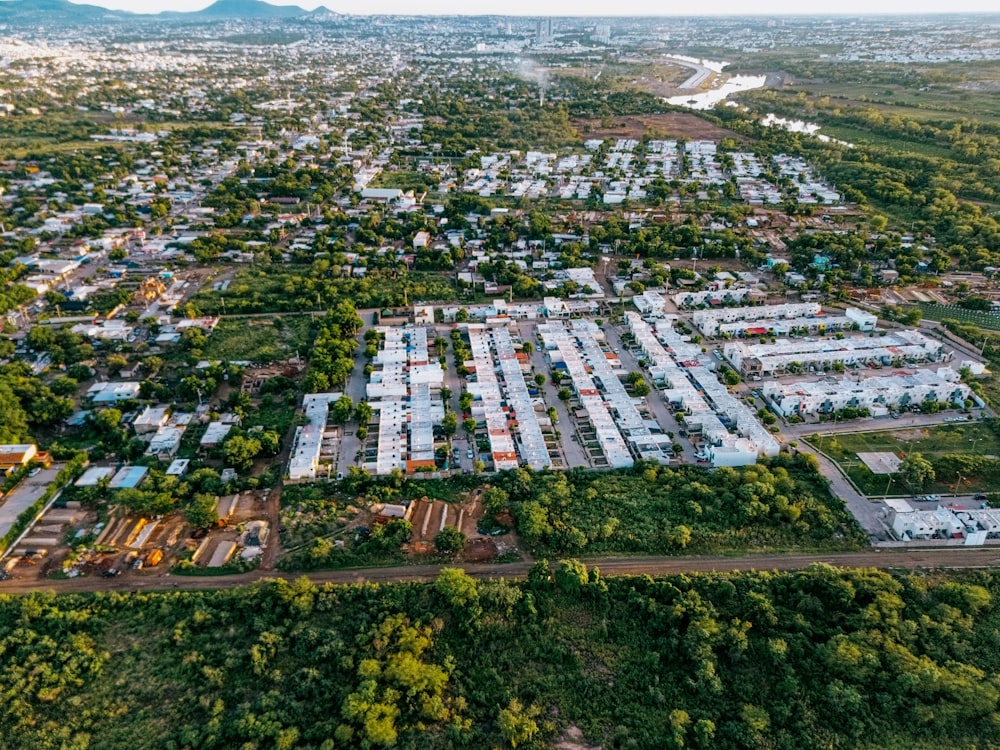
949 558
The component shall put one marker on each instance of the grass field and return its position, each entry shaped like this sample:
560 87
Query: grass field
977 438
990 321
259 339
861 137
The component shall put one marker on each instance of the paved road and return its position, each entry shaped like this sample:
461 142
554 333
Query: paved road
657 406
868 513
26 493
945 558
868 424
573 452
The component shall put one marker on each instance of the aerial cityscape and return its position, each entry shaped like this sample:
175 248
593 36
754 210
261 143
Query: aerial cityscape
488 381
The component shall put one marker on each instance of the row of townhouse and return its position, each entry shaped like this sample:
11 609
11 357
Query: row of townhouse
877 394
501 399
785 355
690 383
405 391
974 526
624 173
564 351
310 438
779 320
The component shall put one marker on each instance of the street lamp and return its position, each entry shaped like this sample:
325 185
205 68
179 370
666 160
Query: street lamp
958 483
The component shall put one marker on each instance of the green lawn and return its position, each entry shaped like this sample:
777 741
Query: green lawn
934 443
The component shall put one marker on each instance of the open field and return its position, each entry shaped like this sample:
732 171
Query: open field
978 438
861 137
972 99
952 312
666 125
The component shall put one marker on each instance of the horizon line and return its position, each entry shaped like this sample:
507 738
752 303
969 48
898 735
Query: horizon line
432 14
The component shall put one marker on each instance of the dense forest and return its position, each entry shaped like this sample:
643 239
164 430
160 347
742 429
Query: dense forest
820 658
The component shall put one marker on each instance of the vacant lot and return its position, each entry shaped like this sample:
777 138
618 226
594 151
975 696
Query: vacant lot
666 125
934 443
259 339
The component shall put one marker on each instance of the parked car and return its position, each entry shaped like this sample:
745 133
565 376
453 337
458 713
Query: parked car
469 453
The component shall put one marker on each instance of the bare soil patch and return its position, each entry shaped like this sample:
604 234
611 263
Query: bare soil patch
572 739
666 125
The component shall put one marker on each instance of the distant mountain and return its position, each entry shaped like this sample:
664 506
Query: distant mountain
247 9
63 11
53 11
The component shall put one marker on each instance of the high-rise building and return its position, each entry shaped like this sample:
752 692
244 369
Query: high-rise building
543 29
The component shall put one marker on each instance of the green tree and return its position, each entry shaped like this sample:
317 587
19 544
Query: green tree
517 724
201 513
457 587
13 419
116 363
342 409
363 413
449 541
571 575
916 471
239 451
495 500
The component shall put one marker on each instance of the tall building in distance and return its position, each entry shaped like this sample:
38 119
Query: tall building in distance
543 29
602 33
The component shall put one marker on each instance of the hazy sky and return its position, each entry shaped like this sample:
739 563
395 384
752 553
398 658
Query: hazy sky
591 7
